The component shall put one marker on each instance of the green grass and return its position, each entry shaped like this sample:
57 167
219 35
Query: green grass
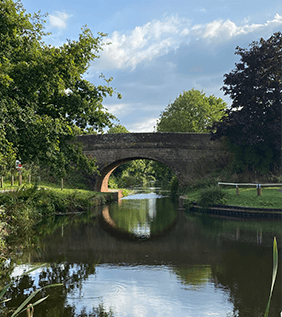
270 198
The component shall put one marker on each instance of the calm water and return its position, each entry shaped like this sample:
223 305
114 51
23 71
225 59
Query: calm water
144 257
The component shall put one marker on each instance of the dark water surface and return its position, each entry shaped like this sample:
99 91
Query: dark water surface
155 260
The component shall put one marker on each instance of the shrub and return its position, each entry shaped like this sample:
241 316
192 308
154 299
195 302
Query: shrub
174 187
211 196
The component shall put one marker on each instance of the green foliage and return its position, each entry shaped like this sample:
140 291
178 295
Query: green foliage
192 111
202 183
249 157
7 158
28 206
252 124
163 174
211 196
174 187
117 128
112 182
44 99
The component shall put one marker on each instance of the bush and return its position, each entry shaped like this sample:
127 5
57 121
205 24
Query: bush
211 196
174 187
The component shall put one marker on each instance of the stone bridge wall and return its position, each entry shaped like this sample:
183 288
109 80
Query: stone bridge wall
188 155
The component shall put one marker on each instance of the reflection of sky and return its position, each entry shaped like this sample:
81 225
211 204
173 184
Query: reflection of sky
149 291
144 229
151 208
143 196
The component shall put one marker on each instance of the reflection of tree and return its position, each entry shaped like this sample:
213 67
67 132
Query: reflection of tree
246 273
251 231
50 224
130 215
165 216
195 276
135 214
71 275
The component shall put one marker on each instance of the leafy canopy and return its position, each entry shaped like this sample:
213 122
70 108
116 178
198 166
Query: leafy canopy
117 128
192 111
44 99
252 124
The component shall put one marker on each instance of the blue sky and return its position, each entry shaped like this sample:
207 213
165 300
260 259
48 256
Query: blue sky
161 48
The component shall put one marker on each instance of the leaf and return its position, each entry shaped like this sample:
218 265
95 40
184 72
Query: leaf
24 303
274 273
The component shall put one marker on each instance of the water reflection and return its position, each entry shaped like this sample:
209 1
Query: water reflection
202 266
144 215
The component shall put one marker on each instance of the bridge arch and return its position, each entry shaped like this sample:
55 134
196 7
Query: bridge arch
102 181
188 155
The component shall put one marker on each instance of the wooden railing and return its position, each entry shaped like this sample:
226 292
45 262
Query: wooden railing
258 186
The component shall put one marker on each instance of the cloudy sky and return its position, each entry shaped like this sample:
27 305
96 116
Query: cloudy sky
159 48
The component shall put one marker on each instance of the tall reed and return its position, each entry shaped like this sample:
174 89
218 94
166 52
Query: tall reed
274 274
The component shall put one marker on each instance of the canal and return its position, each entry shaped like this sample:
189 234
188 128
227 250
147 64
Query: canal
143 257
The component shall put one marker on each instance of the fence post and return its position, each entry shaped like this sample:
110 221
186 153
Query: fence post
237 189
12 180
62 183
258 189
2 181
29 178
20 179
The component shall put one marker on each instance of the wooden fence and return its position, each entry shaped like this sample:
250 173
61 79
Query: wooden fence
258 186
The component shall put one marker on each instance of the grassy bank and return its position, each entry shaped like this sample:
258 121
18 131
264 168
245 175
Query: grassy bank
25 207
270 198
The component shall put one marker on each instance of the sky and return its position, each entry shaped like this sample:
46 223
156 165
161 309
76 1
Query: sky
160 48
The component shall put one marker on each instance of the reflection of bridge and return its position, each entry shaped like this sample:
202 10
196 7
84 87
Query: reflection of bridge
87 242
188 155
189 241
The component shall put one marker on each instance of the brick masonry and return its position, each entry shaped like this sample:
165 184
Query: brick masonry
188 155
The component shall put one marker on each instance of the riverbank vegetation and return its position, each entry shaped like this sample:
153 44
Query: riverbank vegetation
28 214
252 124
271 198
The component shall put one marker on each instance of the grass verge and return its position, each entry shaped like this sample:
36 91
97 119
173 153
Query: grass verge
271 198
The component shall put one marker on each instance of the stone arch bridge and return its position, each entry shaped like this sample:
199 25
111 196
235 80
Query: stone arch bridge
188 155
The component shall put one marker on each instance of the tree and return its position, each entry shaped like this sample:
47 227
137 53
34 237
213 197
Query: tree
252 124
117 128
192 111
44 99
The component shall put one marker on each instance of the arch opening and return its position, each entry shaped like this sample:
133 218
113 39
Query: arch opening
135 171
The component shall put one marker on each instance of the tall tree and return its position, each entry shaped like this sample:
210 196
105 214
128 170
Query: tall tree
44 99
192 111
252 124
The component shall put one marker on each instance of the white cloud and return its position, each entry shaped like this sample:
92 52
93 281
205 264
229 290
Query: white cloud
144 126
58 20
201 10
143 43
224 30
158 38
118 109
